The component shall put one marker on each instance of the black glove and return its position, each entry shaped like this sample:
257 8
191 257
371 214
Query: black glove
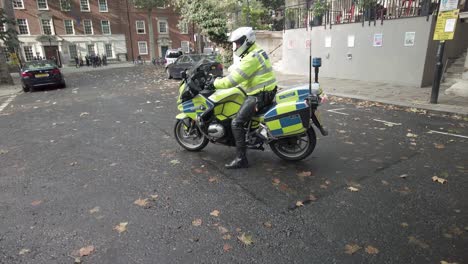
209 84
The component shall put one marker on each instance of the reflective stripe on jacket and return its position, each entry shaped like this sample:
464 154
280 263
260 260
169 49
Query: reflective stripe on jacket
254 73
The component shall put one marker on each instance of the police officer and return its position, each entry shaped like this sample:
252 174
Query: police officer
254 75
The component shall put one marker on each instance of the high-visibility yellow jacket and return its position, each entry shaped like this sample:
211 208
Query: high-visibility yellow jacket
254 73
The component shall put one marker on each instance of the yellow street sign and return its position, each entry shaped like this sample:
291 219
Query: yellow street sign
446 23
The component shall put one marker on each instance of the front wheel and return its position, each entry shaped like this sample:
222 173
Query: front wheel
295 148
189 139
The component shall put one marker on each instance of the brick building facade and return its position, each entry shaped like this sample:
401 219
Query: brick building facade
79 27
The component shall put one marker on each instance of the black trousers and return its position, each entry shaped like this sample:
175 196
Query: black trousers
246 112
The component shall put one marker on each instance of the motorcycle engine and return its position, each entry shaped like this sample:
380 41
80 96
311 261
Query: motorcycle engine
216 131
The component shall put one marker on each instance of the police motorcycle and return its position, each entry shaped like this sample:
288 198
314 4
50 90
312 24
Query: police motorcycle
285 125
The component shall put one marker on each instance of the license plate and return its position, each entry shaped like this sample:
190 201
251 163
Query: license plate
42 75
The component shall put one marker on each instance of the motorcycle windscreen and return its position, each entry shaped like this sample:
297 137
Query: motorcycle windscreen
288 119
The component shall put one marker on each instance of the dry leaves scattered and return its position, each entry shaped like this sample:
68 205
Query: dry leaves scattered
84 114
175 162
439 146
122 227
439 180
24 251
413 240
276 181
215 213
371 250
404 224
36 202
351 248
445 262
141 202
267 225
304 174
213 179
299 204
353 189
197 222
95 210
245 239
86 251
227 247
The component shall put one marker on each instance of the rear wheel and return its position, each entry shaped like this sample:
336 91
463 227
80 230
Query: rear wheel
296 147
191 140
25 89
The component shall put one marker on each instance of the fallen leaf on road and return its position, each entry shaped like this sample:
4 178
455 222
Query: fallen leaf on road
404 224
351 249
84 114
215 213
371 250
77 260
213 179
94 210
245 239
86 251
312 198
417 242
353 189
198 170
276 181
174 162
299 204
141 202
323 186
143 122
36 202
456 231
445 262
439 146
197 222
267 225
411 135
122 227
439 180
222 230
24 251
304 174
227 247
385 182
404 176
3 151
154 196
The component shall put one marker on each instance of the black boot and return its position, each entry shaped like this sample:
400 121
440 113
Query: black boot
240 161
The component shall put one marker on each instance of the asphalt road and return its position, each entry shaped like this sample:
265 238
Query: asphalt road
74 161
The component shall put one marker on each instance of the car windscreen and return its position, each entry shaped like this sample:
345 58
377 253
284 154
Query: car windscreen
173 55
197 58
38 65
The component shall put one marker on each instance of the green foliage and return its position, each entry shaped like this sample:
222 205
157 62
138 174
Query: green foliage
8 37
320 8
149 4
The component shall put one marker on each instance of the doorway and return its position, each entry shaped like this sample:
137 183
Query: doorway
52 53
163 51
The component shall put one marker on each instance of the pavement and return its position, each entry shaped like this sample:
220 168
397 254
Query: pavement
405 96
93 172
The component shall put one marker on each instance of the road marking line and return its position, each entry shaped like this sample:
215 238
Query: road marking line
7 102
387 122
447 134
335 111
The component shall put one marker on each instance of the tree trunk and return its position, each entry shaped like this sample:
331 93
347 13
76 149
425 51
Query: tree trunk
151 34
5 77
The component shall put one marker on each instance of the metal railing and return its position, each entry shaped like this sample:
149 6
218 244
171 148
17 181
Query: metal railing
353 11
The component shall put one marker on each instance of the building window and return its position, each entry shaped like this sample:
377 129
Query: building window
6 52
183 26
185 46
69 29
65 5
105 25
73 51
140 27
84 5
46 26
162 26
142 48
91 49
18 4
109 53
28 53
88 27
42 5
23 26
103 6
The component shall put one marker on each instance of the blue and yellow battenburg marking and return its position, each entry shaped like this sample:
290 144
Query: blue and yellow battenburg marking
285 118
196 106
292 95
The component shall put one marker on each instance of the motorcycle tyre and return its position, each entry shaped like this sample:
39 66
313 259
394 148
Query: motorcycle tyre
176 134
310 148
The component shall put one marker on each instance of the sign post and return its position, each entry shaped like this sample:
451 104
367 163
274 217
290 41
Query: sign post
444 30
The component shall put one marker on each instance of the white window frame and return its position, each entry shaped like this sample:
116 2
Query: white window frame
63 9
27 26
186 28
50 24
22 4
69 50
39 8
112 50
32 52
81 6
144 26
99 6
188 46
94 48
159 27
84 26
102 27
139 51
72 25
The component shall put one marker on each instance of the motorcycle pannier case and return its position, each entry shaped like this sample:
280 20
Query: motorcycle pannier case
288 118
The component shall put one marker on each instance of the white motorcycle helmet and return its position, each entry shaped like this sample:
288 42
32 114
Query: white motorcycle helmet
242 39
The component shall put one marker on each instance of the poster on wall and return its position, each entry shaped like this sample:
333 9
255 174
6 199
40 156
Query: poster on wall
350 41
328 40
378 40
409 38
